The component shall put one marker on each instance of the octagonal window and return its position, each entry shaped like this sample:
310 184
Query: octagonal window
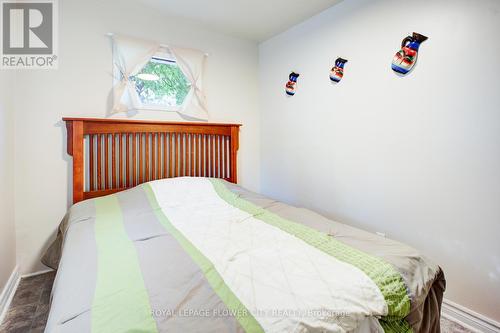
161 84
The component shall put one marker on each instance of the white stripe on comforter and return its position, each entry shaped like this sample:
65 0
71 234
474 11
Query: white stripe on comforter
281 279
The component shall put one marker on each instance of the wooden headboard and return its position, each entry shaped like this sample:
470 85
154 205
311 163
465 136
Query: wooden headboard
111 155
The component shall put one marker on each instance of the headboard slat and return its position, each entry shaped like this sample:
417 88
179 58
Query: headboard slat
111 155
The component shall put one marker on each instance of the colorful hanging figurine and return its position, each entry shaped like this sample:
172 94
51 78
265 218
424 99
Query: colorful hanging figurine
337 72
291 85
406 58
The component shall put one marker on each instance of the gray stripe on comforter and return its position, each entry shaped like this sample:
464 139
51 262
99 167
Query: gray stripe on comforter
73 291
174 283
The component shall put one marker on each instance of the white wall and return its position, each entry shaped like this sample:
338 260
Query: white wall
7 227
80 87
416 157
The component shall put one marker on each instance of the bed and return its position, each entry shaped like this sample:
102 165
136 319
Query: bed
162 239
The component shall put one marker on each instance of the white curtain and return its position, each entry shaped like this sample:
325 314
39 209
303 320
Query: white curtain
192 63
130 55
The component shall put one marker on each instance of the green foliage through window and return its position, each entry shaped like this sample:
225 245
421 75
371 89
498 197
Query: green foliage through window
168 90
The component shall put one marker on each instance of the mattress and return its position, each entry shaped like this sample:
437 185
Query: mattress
204 255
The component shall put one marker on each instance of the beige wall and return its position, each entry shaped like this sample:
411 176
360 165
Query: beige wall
416 157
80 87
7 229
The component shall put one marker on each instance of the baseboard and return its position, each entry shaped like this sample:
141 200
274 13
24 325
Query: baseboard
8 293
468 318
36 273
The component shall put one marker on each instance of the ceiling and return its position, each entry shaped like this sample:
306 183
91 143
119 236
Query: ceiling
251 19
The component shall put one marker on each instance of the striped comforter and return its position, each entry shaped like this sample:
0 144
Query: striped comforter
194 255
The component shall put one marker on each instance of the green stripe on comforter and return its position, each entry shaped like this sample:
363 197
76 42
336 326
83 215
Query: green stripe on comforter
388 280
120 293
244 317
